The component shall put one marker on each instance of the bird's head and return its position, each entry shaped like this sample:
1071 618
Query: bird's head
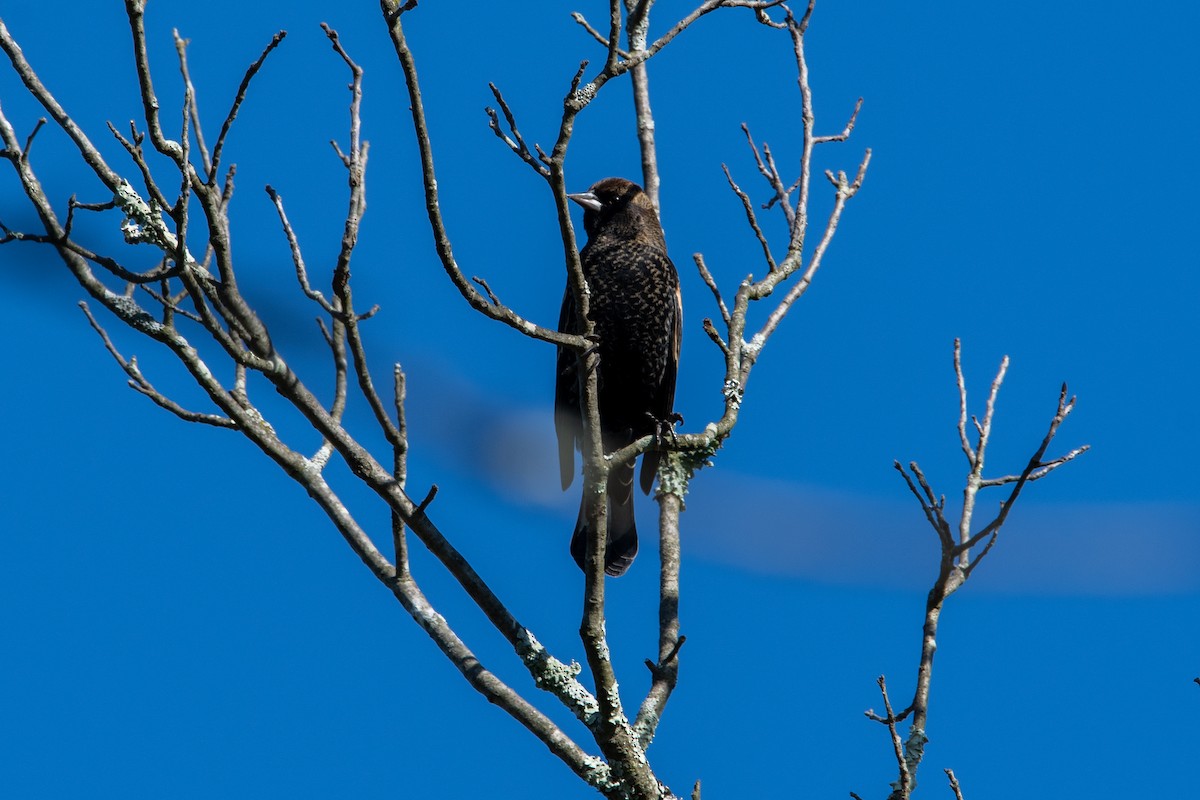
616 202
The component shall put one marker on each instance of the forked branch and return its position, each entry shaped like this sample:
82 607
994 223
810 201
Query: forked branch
955 565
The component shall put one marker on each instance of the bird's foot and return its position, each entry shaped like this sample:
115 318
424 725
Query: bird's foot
665 428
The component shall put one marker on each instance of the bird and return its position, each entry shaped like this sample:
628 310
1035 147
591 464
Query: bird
636 309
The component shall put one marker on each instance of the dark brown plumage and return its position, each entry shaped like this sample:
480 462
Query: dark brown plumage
635 305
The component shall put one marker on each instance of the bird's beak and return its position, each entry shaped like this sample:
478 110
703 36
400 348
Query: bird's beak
587 200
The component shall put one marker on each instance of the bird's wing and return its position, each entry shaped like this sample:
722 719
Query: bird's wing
672 369
567 423
664 399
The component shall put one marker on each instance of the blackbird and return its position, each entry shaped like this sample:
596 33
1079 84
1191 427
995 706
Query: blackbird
637 311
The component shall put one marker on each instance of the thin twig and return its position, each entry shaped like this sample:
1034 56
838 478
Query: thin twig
517 142
845 134
238 99
37 126
905 782
707 277
954 787
751 218
711 331
768 170
139 383
181 46
400 469
595 34
297 255
441 237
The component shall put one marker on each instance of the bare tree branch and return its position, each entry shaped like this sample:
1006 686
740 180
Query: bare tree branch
392 14
905 781
181 46
240 97
517 142
955 566
595 34
707 277
637 27
138 381
845 134
954 787
297 255
750 217
400 471
665 672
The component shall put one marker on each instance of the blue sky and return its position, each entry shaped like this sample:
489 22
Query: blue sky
181 622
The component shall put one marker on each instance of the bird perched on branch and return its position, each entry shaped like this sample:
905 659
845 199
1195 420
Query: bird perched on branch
637 311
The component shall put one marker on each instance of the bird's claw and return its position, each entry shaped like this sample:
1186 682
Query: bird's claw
665 428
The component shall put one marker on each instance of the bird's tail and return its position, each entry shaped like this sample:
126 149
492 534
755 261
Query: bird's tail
622 541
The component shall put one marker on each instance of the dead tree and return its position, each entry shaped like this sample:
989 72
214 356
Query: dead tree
190 304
